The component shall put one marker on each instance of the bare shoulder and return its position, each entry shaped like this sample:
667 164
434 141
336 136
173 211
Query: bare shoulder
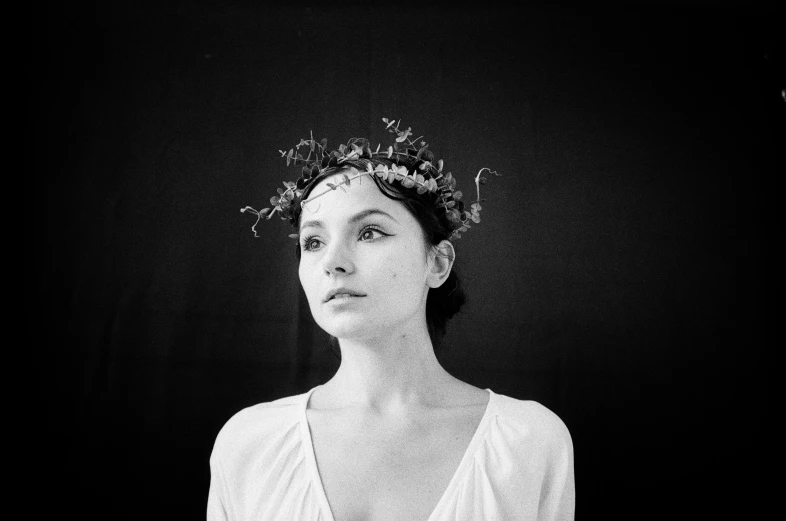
461 394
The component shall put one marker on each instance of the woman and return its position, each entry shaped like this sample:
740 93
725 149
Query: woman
392 436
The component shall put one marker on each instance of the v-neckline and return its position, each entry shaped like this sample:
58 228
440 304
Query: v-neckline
316 479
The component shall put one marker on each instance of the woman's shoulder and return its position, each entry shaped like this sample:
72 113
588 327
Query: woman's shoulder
263 421
531 420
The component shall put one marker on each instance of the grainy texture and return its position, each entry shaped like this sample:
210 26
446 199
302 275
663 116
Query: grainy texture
615 277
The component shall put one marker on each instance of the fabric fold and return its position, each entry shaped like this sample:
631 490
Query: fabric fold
518 465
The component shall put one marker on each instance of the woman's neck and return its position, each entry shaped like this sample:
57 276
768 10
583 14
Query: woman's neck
387 374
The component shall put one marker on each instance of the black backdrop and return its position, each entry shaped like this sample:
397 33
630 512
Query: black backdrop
616 277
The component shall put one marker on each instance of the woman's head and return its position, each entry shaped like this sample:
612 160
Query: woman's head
386 245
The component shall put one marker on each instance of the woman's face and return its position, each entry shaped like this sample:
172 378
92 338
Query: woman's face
371 250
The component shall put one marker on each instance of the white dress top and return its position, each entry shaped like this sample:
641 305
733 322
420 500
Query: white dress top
518 466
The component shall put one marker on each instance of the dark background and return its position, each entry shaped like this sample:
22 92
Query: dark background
620 275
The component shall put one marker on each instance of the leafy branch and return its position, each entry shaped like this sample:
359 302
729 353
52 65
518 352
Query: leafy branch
414 167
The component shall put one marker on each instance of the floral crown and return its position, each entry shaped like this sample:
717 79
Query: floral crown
412 166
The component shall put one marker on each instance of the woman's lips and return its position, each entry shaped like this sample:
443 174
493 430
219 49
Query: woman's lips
344 297
342 293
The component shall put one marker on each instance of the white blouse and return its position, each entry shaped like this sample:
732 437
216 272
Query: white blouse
518 466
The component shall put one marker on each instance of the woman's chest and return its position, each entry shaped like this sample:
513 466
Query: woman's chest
385 472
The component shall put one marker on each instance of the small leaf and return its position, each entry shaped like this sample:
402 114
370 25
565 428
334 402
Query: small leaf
475 218
439 165
476 207
390 152
450 204
264 211
294 236
483 180
408 182
422 189
420 179
341 148
323 142
457 195
331 185
391 176
404 135
346 179
274 201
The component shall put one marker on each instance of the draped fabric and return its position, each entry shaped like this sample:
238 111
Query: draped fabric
518 466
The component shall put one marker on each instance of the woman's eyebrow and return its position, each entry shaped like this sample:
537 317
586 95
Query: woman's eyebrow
371 211
355 218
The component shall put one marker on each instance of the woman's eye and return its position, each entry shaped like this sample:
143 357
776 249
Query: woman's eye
370 234
311 244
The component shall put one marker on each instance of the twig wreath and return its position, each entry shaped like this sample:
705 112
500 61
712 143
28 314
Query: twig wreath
412 166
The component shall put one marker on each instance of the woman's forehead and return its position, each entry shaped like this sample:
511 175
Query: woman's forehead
346 203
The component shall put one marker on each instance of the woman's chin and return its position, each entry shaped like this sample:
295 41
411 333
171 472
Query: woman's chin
348 333
349 328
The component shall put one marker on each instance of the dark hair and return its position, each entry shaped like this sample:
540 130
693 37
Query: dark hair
442 303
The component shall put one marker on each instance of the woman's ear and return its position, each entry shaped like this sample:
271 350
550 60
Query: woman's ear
440 261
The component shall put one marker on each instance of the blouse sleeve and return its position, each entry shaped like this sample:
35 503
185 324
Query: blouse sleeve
558 495
216 510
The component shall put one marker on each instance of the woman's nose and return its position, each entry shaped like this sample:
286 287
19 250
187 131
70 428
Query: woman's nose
338 259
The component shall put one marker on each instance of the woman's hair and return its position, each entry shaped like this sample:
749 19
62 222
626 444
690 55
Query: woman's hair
442 303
